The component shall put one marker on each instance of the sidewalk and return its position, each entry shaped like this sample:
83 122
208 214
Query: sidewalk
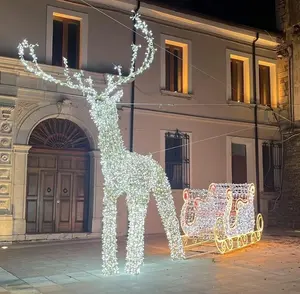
270 266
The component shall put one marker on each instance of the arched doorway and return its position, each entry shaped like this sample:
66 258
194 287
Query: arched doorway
57 178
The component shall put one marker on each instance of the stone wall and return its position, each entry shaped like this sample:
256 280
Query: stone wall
285 211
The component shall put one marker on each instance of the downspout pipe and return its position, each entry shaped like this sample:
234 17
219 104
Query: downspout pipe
256 123
291 94
132 98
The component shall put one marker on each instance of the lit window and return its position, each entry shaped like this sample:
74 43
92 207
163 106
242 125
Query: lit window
176 72
266 82
264 85
177 159
174 68
239 76
66 41
237 80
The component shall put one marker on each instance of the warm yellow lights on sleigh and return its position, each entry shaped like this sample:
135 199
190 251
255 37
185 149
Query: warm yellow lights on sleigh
223 214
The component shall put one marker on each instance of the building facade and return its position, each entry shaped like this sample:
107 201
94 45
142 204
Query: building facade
194 111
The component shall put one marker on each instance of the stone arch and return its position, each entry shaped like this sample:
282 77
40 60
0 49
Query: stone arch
80 118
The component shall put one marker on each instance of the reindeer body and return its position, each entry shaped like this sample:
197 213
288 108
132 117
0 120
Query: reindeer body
125 173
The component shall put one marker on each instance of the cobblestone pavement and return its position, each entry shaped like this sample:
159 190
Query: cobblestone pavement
270 266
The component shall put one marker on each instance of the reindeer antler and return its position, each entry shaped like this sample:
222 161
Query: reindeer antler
85 85
112 81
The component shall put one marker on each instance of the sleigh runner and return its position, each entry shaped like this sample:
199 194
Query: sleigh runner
223 214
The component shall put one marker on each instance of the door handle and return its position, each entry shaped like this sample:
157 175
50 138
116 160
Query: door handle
57 201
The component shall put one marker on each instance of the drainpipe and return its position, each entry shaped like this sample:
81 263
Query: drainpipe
255 123
133 87
291 94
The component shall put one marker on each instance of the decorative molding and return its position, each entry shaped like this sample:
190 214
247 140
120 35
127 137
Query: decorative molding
22 109
5 174
21 148
6 127
4 204
5 158
6 111
5 142
4 189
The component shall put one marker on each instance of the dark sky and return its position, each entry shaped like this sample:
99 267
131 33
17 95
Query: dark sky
254 13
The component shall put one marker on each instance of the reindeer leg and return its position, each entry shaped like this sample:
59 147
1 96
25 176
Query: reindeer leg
135 242
109 236
167 211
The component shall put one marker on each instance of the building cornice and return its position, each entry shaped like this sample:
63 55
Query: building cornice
198 118
197 23
14 66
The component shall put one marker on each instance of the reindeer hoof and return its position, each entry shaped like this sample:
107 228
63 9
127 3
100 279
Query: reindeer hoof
132 269
110 271
178 255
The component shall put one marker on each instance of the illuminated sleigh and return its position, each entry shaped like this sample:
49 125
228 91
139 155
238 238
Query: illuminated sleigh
223 214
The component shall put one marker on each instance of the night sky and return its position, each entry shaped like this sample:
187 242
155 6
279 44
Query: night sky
253 13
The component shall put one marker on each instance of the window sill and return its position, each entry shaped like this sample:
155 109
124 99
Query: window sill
259 106
176 94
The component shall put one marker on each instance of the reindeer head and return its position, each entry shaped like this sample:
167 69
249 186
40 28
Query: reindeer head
111 94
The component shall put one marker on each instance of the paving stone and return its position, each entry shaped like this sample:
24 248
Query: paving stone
39 282
51 289
97 273
61 279
82 276
27 291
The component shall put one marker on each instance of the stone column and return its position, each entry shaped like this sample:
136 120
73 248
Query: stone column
19 190
6 130
96 193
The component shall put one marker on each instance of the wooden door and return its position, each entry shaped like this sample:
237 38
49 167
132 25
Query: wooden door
64 201
47 201
57 192
79 209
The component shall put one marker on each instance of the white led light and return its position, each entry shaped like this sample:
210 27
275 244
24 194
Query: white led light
224 213
124 172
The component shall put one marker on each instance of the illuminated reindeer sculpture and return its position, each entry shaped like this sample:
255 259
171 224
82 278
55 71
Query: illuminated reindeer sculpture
125 173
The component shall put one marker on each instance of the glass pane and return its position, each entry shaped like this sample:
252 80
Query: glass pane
168 69
239 163
237 80
73 44
268 168
57 43
264 85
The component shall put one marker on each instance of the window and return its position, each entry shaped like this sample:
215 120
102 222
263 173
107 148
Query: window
66 35
266 82
177 159
264 85
237 80
272 160
174 68
239 76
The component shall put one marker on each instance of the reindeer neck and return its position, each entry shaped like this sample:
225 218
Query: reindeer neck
110 138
